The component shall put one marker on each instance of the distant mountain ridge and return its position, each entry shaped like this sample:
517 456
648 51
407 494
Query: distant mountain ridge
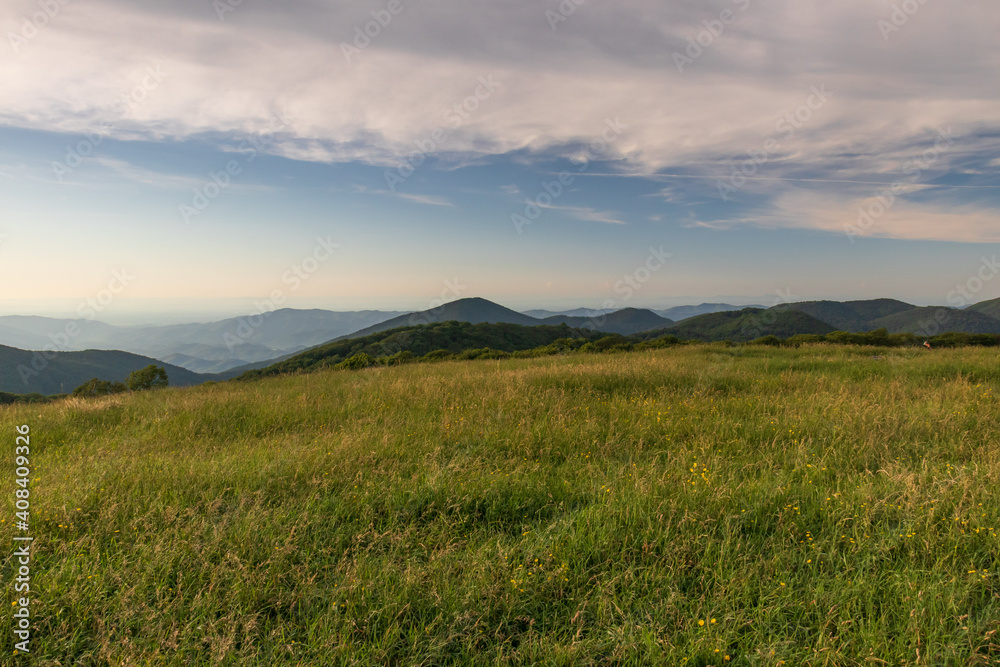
853 316
476 310
990 308
625 322
900 317
64 371
677 313
742 325
200 347
27 372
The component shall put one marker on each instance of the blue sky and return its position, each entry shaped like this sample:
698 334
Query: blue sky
207 149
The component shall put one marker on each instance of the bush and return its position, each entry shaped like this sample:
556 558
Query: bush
97 387
355 363
804 339
772 341
490 353
437 355
878 338
841 338
402 357
10 399
150 377
902 340
612 342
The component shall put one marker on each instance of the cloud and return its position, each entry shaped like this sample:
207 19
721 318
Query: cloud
425 199
586 213
554 89
869 217
430 200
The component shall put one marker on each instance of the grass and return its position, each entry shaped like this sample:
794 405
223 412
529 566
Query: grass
699 506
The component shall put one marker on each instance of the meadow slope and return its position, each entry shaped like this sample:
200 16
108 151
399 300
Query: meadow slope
700 505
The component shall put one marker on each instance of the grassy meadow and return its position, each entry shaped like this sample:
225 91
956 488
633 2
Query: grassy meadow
700 505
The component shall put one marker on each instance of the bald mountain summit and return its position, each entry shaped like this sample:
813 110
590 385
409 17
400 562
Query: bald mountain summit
476 310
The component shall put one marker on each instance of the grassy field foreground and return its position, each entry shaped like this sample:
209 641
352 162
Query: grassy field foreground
694 506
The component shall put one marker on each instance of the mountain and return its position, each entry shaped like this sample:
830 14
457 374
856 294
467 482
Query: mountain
474 310
27 372
626 321
240 370
679 313
853 316
743 325
899 317
991 308
576 312
675 314
477 311
199 347
933 320
418 340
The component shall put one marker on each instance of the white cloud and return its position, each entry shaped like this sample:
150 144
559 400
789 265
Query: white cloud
586 213
430 200
902 220
556 89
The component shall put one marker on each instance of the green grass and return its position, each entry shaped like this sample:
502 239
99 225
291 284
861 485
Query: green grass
814 506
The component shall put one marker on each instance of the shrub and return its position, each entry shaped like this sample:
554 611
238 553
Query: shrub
804 339
840 338
150 377
772 341
357 362
97 387
401 357
612 342
490 353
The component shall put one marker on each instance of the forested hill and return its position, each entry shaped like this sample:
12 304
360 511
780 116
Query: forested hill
416 341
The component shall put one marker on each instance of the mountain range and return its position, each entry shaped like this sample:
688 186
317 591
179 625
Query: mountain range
477 310
26 372
213 347
286 337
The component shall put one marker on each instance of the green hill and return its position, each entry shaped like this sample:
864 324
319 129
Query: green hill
937 319
990 308
453 337
24 372
853 316
625 322
474 310
743 325
477 311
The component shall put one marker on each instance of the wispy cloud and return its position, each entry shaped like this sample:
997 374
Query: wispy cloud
430 200
889 97
588 214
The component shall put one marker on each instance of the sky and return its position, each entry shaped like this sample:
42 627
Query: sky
171 157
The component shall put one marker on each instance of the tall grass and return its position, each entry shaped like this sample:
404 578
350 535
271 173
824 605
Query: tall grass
694 506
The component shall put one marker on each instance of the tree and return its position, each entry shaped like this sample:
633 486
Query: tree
357 362
97 387
150 377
